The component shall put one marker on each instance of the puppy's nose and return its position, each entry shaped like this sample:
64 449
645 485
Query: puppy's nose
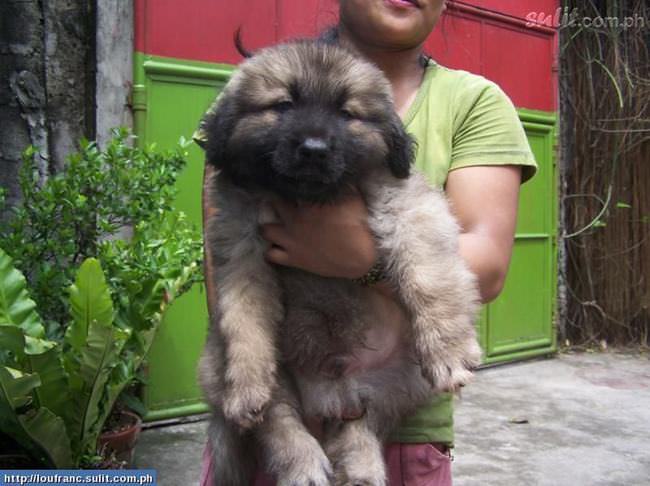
313 149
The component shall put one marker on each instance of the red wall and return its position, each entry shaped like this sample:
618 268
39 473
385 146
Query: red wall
488 37
516 8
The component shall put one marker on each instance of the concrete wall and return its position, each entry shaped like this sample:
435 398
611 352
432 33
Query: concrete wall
23 95
65 73
70 74
114 65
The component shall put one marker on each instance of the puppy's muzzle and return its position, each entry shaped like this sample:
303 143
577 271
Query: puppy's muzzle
310 158
313 151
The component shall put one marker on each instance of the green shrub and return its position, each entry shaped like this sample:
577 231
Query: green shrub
81 211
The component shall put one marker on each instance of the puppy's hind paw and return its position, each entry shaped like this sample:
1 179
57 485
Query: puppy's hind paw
361 467
245 405
312 470
361 481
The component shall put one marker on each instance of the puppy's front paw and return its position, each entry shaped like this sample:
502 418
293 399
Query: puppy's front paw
245 405
445 377
446 371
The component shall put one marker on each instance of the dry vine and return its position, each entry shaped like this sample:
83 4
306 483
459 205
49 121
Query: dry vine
605 96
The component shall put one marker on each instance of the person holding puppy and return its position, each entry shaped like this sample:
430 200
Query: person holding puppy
471 142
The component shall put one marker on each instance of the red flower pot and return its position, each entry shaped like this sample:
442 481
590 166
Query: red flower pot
120 441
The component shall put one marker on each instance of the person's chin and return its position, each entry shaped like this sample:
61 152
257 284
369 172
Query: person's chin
401 37
403 30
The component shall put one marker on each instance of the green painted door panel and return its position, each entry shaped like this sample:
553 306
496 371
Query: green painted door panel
519 323
169 98
520 319
535 200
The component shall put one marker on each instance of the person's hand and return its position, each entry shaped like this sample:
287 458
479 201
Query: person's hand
331 240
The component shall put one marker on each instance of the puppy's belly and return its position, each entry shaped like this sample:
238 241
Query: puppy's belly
386 336
396 387
349 382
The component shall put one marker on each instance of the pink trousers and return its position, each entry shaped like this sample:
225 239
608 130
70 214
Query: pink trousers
407 464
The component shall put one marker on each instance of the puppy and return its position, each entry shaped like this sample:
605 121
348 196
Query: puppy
307 122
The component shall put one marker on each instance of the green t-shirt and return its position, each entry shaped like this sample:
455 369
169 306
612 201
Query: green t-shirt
459 120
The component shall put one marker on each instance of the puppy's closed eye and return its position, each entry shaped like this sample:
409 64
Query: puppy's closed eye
348 114
353 109
281 106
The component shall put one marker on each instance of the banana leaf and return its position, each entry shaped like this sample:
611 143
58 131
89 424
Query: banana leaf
14 339
90 301
95 351
39 432
16 308
53 393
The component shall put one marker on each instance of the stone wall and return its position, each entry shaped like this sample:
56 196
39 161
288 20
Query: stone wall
47 82
114 65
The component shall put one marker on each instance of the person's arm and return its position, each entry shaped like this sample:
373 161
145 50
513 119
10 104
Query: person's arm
485 201
208 270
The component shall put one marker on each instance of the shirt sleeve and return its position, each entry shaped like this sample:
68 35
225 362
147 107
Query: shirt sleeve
488 130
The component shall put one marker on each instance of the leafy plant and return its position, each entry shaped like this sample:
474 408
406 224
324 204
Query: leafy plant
61 376
56 396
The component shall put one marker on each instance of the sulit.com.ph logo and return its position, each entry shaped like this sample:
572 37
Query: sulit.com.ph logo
564 17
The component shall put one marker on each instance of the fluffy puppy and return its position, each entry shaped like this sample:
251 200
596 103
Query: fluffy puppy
306 122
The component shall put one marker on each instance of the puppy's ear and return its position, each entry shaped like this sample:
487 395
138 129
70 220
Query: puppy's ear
218 127
401 148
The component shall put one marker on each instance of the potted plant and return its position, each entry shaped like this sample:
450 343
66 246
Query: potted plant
117 441
106 222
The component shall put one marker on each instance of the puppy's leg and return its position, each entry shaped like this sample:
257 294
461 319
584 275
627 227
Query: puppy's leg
420 246
291 452
248 309
356 454
444 338
233 457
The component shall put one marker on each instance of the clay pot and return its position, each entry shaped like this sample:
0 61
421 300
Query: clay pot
121 441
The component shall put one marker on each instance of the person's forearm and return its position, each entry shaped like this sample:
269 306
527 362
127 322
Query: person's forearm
487 260
208 270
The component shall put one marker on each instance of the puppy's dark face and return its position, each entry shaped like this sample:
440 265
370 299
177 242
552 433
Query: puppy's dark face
306 120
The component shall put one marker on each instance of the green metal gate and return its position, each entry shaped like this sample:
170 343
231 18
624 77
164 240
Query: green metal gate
520 322
169 98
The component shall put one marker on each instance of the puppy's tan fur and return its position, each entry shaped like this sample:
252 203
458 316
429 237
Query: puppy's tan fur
280 336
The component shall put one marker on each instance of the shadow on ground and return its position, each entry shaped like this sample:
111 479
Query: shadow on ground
576 420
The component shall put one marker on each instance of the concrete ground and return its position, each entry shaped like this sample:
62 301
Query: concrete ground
576 420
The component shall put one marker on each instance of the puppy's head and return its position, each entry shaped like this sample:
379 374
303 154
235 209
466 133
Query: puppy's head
305 120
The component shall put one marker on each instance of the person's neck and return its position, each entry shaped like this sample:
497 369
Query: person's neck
403 68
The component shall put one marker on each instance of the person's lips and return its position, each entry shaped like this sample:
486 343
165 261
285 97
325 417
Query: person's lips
403 3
